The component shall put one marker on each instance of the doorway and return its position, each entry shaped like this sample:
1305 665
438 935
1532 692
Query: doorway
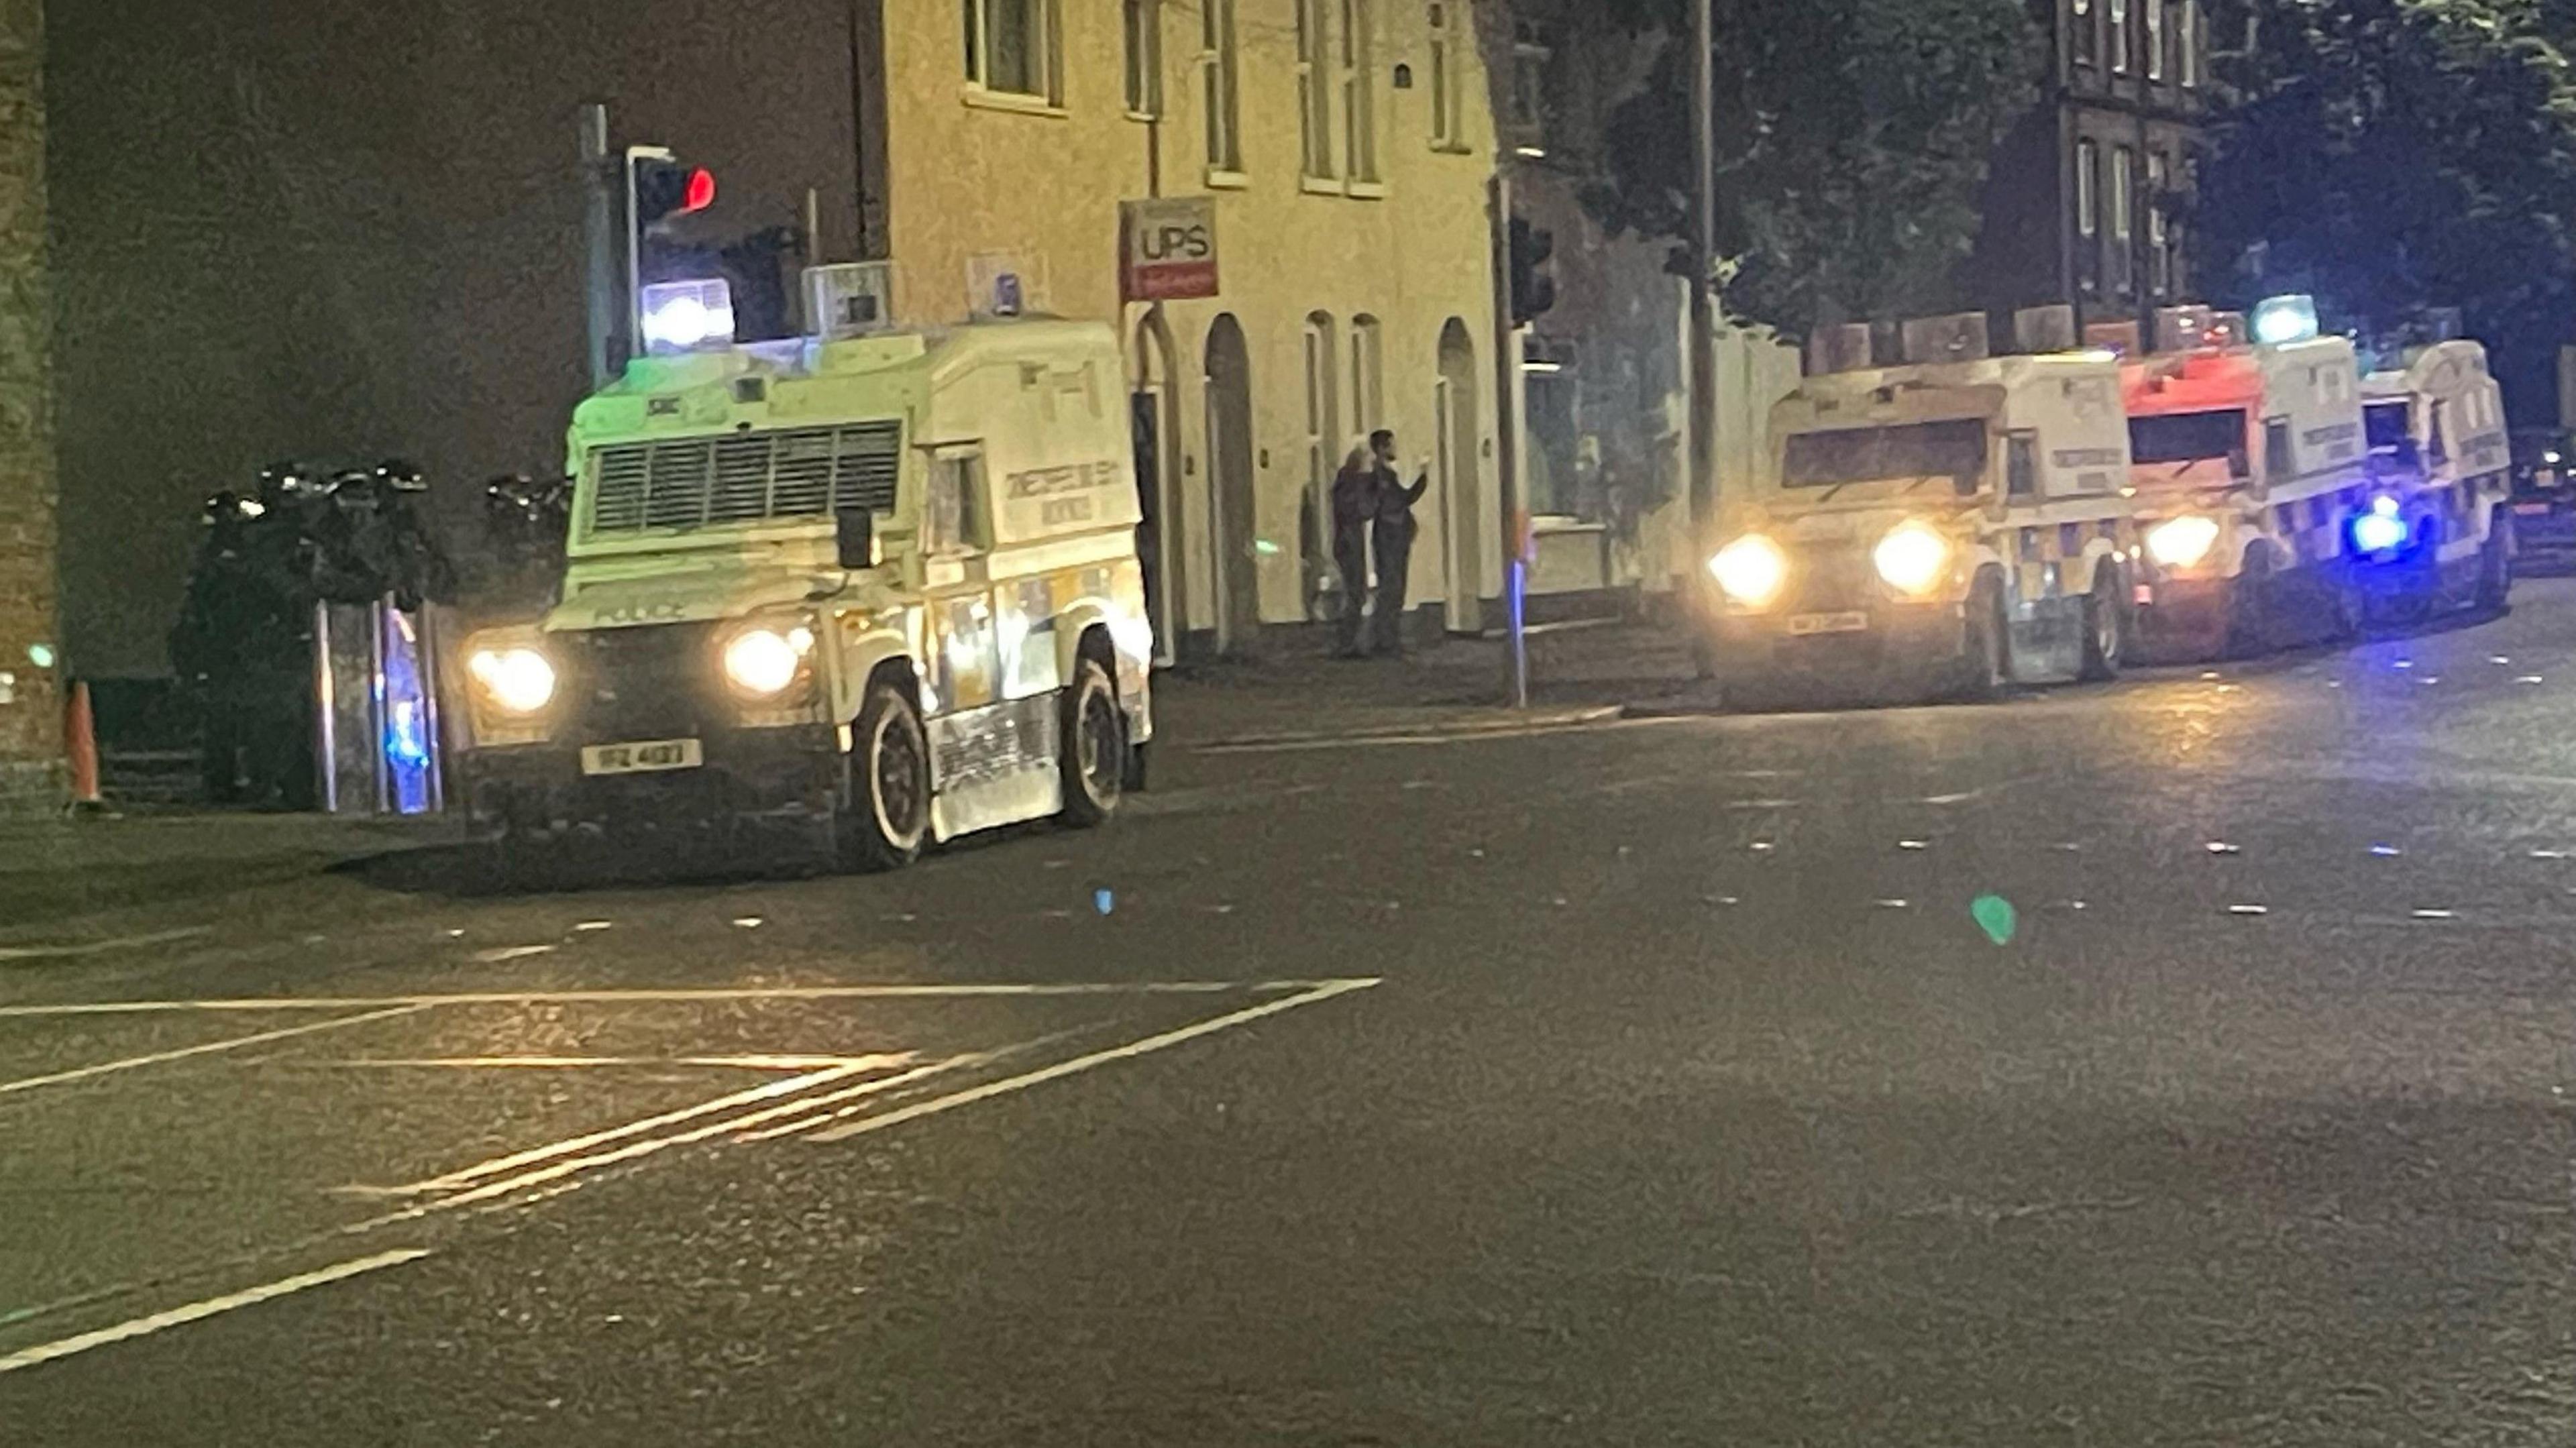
1237 591
1460 480
1162 535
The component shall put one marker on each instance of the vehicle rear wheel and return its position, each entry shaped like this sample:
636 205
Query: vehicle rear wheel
2106 625
2495 563
885 804
1094 752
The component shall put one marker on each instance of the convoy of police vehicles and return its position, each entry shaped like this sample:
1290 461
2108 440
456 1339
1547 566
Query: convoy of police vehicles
883 585
1959 522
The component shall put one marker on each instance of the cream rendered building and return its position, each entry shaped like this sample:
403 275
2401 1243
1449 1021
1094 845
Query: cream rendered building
1348 147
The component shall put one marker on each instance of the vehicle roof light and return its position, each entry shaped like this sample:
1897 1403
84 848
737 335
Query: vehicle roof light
688 316
2281 320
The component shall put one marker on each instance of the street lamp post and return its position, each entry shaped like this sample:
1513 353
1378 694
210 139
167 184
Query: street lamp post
1703 265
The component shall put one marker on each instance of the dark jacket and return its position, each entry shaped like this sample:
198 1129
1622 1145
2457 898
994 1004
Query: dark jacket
1395 527
1355 503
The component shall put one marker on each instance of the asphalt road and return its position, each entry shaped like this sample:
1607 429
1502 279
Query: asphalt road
1656 1082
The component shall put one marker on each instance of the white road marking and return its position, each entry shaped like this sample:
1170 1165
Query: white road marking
559 1172
671 996
571 1063
511 952
130 1063
1078 1064
2248 910
770 1091
13 953
210 1307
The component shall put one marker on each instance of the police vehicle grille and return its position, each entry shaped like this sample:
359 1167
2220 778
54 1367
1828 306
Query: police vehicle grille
1830 580
692 482
653 682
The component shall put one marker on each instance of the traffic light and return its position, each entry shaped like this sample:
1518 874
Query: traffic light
1533 287
661 188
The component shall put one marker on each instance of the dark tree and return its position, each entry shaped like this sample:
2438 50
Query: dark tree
2393 156
1853 140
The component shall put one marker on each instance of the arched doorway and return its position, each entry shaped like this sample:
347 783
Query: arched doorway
1237 591
1460 478
1162 538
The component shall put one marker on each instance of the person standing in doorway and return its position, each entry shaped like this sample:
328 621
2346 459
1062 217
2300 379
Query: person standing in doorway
1355 503
1391 536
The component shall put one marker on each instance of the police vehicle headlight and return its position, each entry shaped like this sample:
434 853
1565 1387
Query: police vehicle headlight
765 662
1912 558
1751 570
2182 542
519 680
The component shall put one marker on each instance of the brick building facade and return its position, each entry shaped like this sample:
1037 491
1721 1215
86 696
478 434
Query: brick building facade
30 705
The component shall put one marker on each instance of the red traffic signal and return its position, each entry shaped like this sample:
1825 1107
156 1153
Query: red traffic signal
665 189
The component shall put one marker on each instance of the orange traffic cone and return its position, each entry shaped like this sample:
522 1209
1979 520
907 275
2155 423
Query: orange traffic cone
80 741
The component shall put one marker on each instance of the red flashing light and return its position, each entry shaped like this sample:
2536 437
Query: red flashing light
701 192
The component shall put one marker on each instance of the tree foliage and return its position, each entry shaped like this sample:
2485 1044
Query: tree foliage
2392 156
1853 140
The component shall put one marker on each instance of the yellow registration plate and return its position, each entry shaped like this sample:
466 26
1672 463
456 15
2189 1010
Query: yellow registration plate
1852 621
645 757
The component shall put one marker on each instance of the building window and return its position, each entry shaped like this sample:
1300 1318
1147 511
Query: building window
2123 207
2088 210
1368 385
1531 52
2117 14
1446 131
1359 103
2155 39
1144 58
2187 42
2087 34
1314 89
2160 276
1323 459
1011 47
1218 90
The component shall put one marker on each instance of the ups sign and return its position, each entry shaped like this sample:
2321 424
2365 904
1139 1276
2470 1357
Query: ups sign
1169 247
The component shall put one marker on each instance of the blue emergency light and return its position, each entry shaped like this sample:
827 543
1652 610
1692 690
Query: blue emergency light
2381 531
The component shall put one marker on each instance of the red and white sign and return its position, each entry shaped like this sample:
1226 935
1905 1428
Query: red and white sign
1168 249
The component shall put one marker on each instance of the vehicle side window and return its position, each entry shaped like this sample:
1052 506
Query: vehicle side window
953 523
2021 466
2278 463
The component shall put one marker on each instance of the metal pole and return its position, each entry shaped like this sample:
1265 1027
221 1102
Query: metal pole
1703 303
599 236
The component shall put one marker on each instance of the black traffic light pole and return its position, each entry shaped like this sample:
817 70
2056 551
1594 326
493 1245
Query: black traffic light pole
607 337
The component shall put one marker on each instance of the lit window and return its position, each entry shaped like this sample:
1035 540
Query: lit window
2159 237
1359 103
1323 453
2088 213
2187 41
1011 47
1314 90
2124 183
2117 13
2087 35
2155 39
1217 69
1144 26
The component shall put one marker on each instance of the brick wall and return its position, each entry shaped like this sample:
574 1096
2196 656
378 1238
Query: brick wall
30 705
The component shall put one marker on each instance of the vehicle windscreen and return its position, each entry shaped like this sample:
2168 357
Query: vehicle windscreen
2390 428
1954 449
2187 437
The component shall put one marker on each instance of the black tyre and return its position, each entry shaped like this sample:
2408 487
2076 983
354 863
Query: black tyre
2495 563
2249 607
885 799
1094 752
2106 625
1988 665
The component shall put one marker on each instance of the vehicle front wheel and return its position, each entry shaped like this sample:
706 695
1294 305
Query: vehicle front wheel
885 801
2106 626
1094 752
2495 564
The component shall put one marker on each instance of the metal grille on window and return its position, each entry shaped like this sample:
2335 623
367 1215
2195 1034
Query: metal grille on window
745 478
